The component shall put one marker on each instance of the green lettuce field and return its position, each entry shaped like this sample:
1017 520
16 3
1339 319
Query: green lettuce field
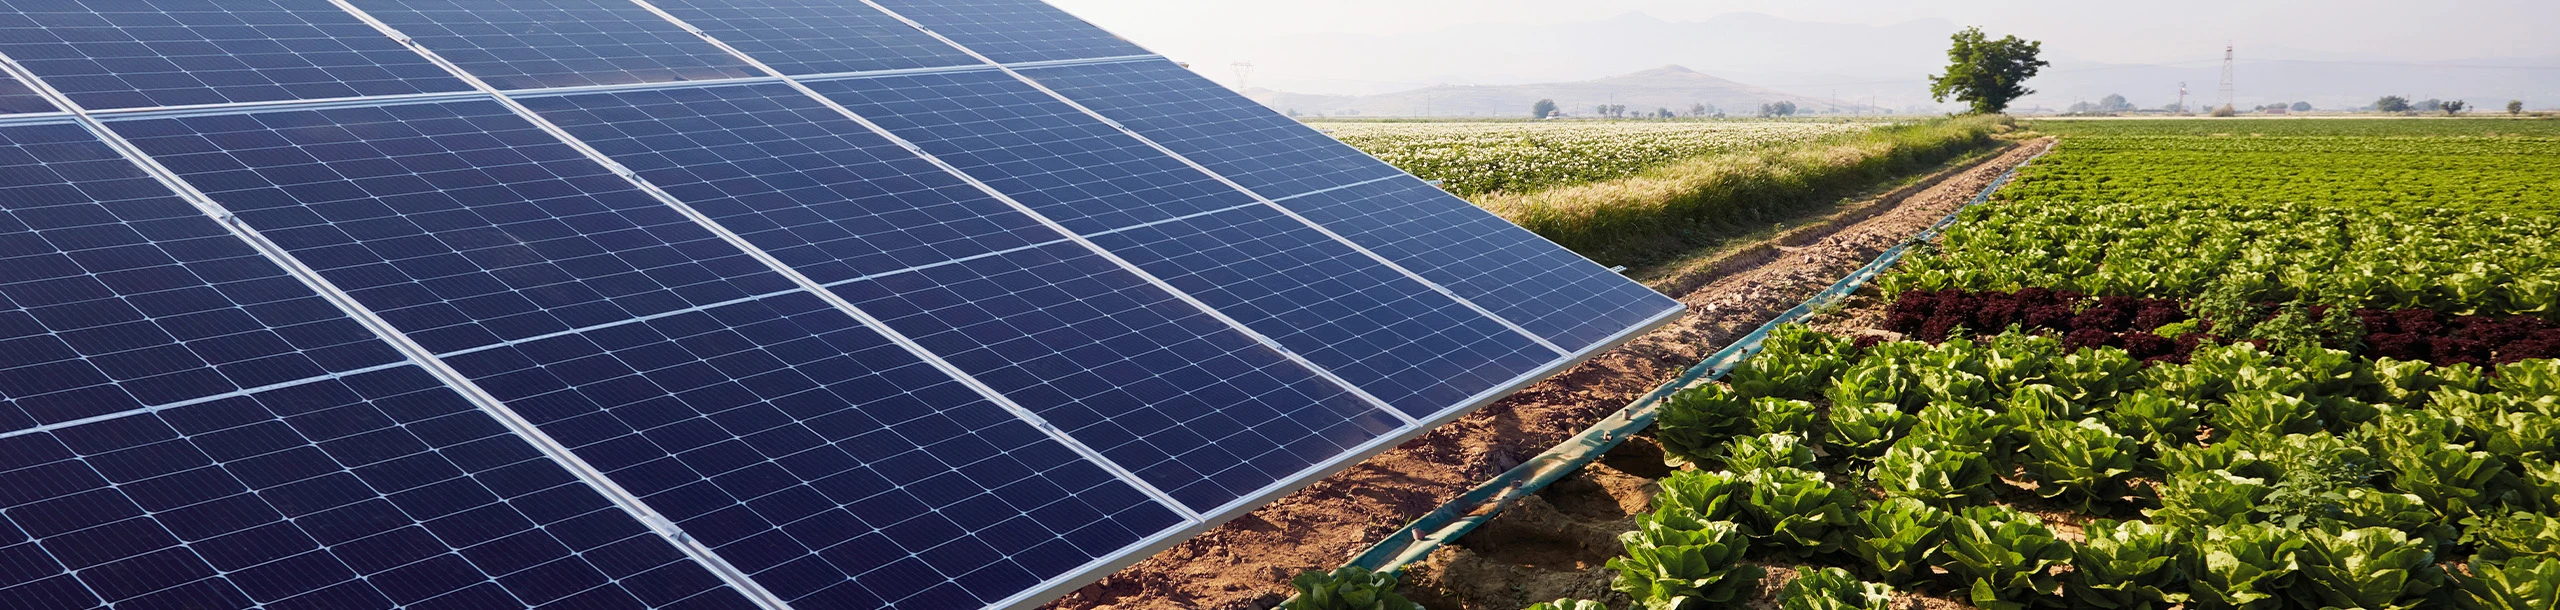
2269 364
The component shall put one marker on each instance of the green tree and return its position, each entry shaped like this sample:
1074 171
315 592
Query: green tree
1543 109
2455 106
2391 103
2515 106
2302 106
1987 73
2114 102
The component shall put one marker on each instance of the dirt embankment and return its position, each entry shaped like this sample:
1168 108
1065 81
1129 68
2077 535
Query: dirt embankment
1247 562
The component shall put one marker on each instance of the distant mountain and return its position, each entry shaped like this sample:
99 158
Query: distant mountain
1855 62
1808 58
1676 88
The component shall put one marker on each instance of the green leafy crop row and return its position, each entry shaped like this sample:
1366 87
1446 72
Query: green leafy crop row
2378 214
2244 479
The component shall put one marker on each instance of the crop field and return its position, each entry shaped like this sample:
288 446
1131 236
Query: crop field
1522 156
2170 366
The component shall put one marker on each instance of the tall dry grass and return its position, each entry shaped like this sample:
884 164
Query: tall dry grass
1657 214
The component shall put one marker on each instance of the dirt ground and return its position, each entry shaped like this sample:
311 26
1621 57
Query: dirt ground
1548 549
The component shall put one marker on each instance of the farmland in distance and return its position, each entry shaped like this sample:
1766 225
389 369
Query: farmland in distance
1474 158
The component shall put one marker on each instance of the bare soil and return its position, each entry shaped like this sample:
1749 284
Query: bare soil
1554 545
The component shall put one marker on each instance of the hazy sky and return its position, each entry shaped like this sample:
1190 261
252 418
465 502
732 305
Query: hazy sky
2128 32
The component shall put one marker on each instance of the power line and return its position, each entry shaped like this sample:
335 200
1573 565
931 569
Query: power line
2226 76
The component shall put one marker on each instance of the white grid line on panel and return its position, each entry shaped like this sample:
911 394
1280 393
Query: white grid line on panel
311 279
1033 31
161 112
199 400
1411 427
1338 188
416 353
616 323
119 483
1115 90
1560 351
1025 65
795 276
991 191
146 54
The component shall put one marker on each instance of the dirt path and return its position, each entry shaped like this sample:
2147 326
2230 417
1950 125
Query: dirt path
1247 562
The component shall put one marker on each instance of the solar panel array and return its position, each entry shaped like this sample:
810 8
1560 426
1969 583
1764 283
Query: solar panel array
694 304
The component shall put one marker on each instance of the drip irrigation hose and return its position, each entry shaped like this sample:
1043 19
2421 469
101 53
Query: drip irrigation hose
1455 519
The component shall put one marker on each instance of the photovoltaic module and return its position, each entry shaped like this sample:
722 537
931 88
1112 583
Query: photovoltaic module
695 304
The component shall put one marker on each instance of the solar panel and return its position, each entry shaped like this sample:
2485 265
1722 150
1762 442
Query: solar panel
1013 31
1156 386
813 454
125 54
834 468
1478 256
816 36
459 222
16 98
531 44
694 304
119 292
1387 334
189 426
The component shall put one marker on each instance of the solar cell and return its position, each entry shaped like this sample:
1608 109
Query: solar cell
834 467
16 98
1149 381
1239 138
532 44
813 454
1079 172
187 425
1200 411
816 36
117 292
1416 349
460 222
814 189
1522 277
1085 347
1317 297
1482 258
134 54
381 489
1013 31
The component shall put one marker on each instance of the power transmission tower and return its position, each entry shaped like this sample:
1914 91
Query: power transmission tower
2226 75
2182 97
1244 70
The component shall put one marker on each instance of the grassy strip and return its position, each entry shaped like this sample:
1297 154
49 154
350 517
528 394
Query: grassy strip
1663 211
